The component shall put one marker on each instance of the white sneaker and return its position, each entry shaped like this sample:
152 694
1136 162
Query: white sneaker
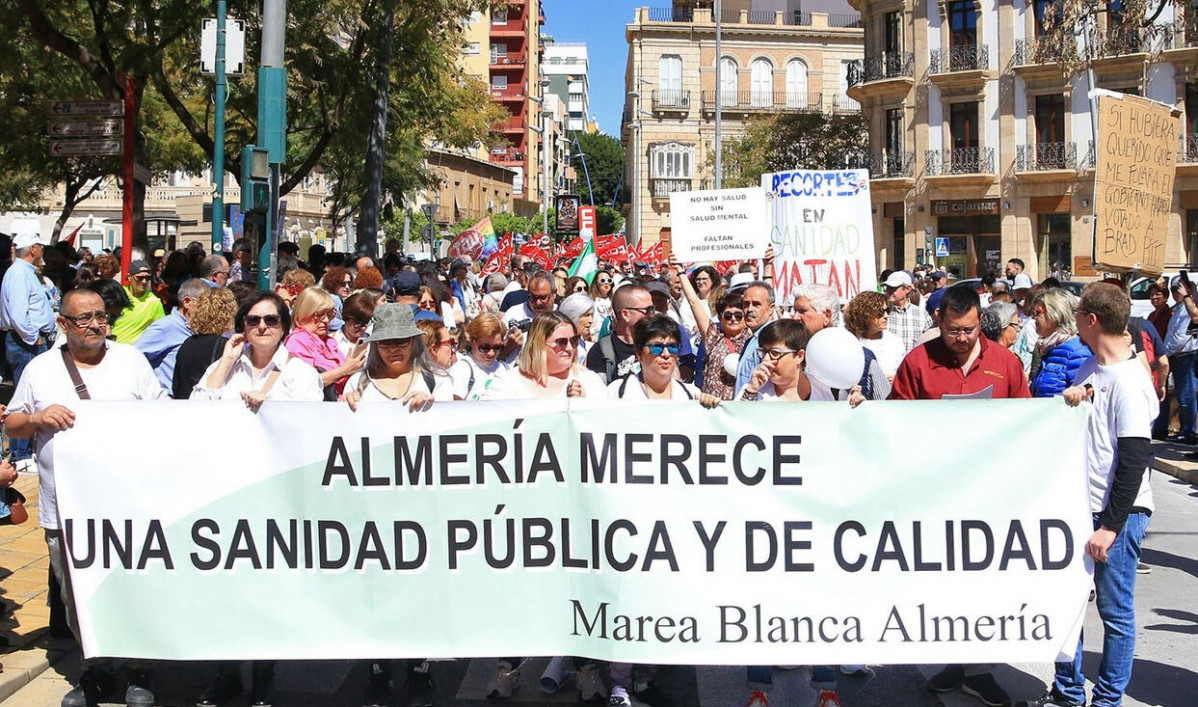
505 680
590 685
619 698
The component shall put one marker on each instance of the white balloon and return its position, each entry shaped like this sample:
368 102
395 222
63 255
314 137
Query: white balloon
731 363
835 358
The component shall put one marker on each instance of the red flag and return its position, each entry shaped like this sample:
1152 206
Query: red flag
538 254
574 247
500 258
653 255
611 248
71 238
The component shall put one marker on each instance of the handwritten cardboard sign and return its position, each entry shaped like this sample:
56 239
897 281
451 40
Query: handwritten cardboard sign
1136 161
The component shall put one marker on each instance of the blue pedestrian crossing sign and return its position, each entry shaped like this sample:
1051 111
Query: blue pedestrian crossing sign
941 247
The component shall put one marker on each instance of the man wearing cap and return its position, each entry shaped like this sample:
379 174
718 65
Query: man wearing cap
906 321
407 291
26 317
145 307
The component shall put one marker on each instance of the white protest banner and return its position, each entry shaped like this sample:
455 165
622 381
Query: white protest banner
750 534
822 231
724 224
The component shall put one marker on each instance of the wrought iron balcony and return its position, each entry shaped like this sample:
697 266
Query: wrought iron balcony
662 188
963 57
891 165
1045 156
959 160
887 65
1123 40
763 101
671 99
671 14
1188 154
1037 50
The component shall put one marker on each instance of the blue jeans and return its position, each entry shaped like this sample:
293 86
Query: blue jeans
1114 589
761 677
1182 366
18 354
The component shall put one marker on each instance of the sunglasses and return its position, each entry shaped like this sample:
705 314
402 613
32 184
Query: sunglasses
659 349
563 343
604 281
776 354
270 320
451 343
733 316
487 348
141 278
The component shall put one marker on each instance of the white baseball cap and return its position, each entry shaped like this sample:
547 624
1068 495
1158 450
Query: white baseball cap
898 278
24 239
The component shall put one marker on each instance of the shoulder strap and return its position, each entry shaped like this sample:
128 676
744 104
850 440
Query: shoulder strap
429 380
608 350
686 390
73 371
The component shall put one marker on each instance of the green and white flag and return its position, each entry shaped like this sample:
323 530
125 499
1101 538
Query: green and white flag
587 263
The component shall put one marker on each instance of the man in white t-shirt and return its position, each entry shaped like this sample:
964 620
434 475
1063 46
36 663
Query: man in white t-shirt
1124 404
42 406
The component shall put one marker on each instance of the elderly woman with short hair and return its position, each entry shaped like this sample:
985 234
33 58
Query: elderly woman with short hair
1059 351
1001 323
311 342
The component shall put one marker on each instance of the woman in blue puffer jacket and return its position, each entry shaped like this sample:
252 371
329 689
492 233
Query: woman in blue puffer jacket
1059 351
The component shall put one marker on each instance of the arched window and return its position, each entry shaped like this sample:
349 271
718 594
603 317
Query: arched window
762 87
796 84
728 81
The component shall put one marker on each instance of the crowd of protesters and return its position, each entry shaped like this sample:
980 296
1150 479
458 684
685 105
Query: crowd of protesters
364 330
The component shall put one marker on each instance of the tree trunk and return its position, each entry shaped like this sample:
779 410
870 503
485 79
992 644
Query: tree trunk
372 196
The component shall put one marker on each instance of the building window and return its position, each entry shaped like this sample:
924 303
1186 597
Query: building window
892 29
963 23
669 70
671 167
728 82
499 82
762 84
499 17
1056 243
1047 11
894 133
498 51
1050 119
963 125
843 99
471 48
796 84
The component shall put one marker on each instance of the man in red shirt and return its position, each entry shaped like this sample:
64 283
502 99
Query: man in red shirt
961 362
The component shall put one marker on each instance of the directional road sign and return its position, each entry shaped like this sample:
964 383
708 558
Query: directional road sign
84 128
78 148
107 108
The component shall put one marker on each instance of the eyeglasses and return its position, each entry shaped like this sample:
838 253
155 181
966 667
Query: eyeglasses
580 288
960 332
393 343
141 278
659 349
487 348
732 316
428 304
451 343
776 354
221 272
324 314
1014 325
356 325
347 283
642 310
83 320
563 343
540 298
270 320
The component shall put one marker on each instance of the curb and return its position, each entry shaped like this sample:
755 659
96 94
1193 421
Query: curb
1177 470
21 668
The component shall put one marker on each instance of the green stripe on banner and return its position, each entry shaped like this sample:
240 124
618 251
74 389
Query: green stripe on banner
662 533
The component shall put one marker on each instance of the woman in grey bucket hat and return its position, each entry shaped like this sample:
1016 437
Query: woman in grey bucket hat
398 365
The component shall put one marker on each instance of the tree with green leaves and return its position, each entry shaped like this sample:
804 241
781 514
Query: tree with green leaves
604 164
786 141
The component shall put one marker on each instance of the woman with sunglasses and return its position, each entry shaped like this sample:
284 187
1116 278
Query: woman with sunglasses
656 340
254 366
722 346
575 285
866 318
580 308
311 342
399 366
441 343
600 291
548 366
477 369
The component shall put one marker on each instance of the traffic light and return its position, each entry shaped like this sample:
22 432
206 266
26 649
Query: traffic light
255 180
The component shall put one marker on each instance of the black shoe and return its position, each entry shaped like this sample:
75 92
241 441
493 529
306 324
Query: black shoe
378 687
948 679
1142 568
88 692
986 688
422 692
1052 699
224 687
262 685
138 693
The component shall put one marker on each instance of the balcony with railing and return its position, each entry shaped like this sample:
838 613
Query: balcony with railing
963 57
661 188
797 18
761 101
1188 152
514 124
511 93
886 66
1128 40
959 161
891 165
514 26
1036 51
515 59
506 154
670 100
1046 156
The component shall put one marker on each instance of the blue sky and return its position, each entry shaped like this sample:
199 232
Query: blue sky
601 26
